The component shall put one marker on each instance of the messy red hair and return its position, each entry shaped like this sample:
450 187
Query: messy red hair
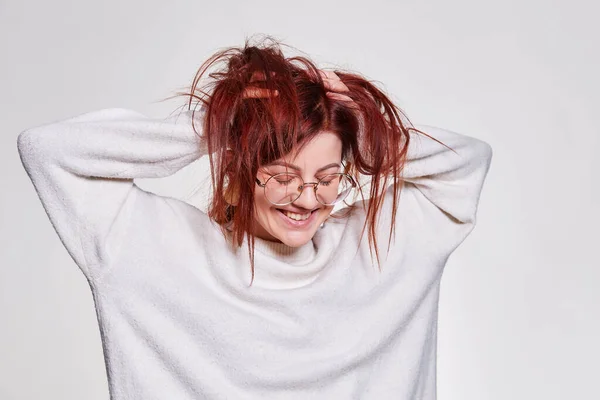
260 130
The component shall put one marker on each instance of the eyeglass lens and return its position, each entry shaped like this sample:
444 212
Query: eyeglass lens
285 188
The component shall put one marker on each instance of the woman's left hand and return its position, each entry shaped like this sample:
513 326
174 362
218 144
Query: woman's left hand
333 83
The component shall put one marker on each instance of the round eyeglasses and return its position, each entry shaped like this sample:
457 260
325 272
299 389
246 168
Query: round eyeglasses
285 188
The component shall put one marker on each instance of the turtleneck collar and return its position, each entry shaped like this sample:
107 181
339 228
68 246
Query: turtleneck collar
279 266
296 256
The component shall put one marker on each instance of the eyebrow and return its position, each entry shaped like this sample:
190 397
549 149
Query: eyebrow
297 168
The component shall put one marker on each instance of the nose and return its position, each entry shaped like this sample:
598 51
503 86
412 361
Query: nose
308 197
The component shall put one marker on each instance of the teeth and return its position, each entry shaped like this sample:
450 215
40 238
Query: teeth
295 216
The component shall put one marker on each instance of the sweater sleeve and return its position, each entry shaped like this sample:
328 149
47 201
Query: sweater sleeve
438 206
452 181
83 168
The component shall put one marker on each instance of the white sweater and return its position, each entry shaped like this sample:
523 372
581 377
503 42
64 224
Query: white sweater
177 317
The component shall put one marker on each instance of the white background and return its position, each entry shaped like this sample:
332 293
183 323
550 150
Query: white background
519 314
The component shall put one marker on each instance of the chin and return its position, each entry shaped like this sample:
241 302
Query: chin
297 240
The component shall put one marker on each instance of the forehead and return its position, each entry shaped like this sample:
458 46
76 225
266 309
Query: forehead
325 147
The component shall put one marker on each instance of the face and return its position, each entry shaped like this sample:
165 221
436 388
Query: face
273 224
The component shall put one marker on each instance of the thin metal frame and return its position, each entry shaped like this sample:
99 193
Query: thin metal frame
303 185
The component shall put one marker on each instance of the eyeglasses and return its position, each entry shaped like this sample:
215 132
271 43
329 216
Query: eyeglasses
285 188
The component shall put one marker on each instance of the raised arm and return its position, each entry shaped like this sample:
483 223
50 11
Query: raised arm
83 168
451 181
438 207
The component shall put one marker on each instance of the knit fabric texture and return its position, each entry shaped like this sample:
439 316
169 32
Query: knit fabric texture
177 316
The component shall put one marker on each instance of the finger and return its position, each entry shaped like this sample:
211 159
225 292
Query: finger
333 82
338 86
326 74
259 76
254 92
338 96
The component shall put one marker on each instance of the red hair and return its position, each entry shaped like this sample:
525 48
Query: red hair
260 130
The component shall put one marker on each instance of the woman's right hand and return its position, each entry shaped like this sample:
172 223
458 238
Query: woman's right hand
256 92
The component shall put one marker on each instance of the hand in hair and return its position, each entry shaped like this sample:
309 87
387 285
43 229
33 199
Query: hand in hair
256 92
331 81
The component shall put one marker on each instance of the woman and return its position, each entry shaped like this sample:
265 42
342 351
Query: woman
188 309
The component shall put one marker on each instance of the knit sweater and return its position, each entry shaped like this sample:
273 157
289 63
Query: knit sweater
177 316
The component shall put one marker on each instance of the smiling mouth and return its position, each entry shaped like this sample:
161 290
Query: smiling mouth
296 216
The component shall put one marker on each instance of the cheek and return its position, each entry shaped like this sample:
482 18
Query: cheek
264 209
260 202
